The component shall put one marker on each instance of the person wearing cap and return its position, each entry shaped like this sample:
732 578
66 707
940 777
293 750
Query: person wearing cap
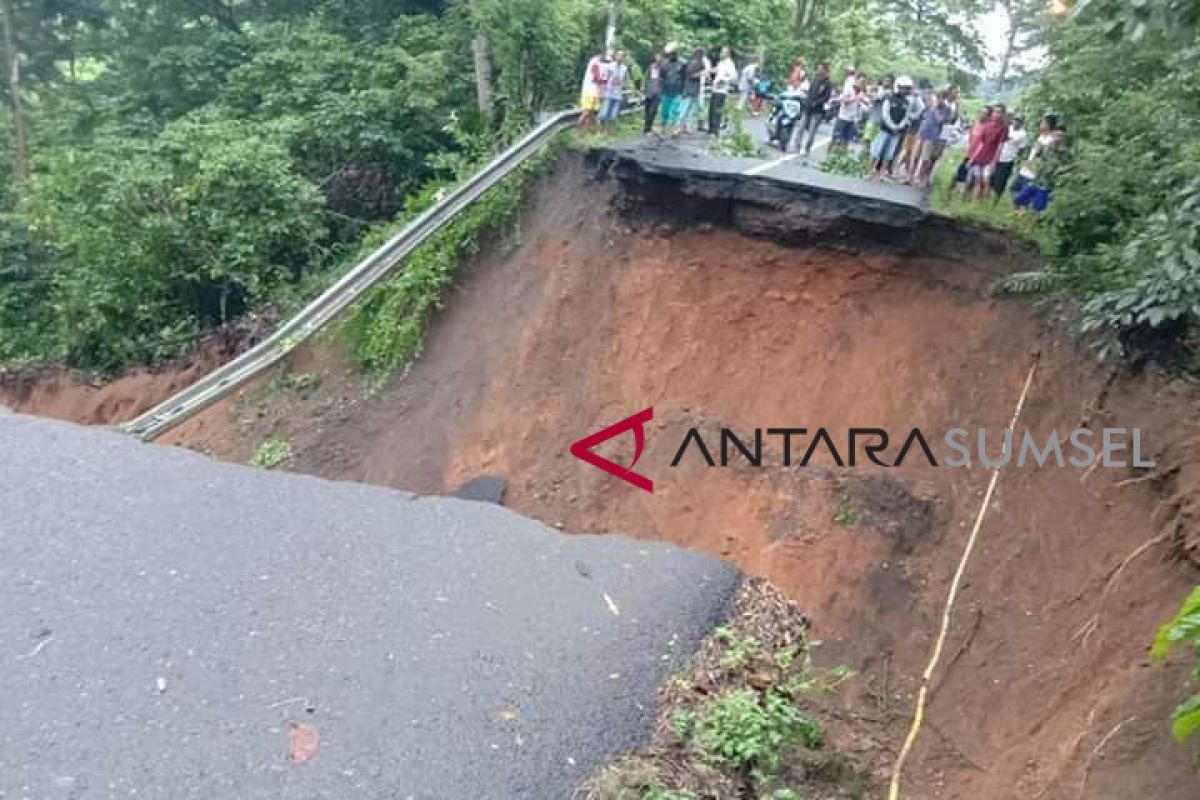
674 75
894 118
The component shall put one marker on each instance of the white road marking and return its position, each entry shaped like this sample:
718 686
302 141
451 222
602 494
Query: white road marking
818 143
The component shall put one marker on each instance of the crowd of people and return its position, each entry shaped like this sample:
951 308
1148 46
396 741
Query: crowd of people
904 127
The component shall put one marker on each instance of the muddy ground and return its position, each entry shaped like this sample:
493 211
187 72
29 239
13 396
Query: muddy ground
1046 689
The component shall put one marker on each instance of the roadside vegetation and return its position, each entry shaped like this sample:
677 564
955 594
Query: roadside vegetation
167 167
743 720
1183 632
272 453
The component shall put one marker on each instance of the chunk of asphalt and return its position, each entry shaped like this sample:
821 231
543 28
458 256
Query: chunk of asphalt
175 627
484 489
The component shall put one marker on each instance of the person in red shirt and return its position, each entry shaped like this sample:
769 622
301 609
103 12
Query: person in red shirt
987 138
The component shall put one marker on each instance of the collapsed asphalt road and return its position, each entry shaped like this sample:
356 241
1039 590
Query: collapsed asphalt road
175 627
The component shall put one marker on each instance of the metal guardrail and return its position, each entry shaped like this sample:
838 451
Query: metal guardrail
344 291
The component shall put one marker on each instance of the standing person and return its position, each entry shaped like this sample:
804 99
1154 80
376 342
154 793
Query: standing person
893 123
674 77
1002 172
930 137
725 75
1036 175
796 79
693 87
919 104
963 173
985 146
591 92
614 91
652 91
850 109
746 84
819 92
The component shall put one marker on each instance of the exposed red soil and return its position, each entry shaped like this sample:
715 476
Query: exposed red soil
1045 691
73 396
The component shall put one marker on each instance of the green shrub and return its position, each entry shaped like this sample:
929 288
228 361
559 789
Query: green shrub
153 241
740 727
386 328
272 453
847 163
1183 631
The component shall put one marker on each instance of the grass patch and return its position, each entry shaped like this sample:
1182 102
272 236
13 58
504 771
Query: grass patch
844 514
742 720
855 163
992 211
272 453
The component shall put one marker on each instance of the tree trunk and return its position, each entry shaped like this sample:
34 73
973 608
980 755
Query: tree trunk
610 29
12 68
804 15
484 93
1006 62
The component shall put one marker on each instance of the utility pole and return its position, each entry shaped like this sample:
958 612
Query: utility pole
12 68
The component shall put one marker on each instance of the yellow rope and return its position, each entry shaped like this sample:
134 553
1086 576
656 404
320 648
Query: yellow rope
940 643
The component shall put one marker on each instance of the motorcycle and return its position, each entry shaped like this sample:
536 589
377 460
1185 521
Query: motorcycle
786 113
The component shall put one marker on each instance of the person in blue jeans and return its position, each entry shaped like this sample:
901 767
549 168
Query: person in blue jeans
893 124
614 89
1036 176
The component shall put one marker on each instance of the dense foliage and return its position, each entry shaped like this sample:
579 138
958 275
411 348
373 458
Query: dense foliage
167 166
1123 224
1183 631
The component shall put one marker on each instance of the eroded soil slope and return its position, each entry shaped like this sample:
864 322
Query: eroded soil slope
1045 691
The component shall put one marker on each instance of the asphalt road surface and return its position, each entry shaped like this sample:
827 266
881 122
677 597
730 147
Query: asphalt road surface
172 627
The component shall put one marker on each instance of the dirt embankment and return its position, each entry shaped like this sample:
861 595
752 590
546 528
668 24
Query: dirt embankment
1046 690
68 395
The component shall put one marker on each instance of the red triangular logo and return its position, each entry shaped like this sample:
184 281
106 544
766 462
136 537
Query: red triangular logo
583 449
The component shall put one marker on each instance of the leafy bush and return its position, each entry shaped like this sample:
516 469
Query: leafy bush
847 163
386 328
743 728
152 241
1183 631
272 453
1123 227
1156 272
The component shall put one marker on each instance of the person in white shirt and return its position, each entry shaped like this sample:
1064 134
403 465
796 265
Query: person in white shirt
852 102
1002 172
746 83
725 75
